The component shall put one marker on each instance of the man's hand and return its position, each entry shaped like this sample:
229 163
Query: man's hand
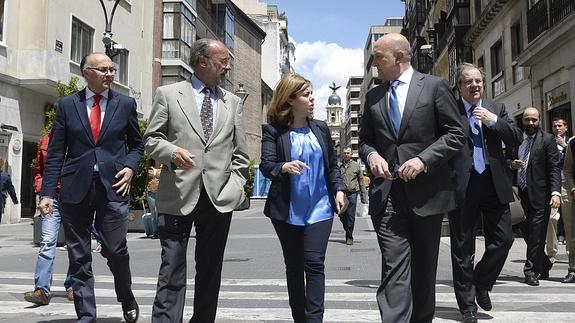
482 114
517 164
378 166
555 201
45 205
183 159
341 202
294 167
410 169
125 181
560 141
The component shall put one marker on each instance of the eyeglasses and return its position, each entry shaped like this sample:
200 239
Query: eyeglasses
469 83
103 70
223 61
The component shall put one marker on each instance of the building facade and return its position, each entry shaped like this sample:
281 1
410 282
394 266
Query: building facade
350 133
41 43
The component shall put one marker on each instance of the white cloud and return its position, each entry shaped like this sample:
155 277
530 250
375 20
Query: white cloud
324 63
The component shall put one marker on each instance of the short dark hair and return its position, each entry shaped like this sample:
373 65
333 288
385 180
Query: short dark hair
83 61
559 119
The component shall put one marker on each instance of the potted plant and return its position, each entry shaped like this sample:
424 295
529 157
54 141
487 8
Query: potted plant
138 190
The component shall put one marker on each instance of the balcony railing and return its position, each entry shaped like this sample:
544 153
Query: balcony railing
546 14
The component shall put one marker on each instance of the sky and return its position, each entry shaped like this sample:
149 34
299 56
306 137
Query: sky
329 36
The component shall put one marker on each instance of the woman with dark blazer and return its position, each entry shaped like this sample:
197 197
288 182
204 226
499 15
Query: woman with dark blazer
306 188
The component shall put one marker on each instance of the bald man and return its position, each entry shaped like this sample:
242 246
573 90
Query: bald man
538 175
409 129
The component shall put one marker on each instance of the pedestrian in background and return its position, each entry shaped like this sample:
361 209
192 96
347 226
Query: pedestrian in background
6 188
153 171
538 177
42 294
353 180
196 131
306 190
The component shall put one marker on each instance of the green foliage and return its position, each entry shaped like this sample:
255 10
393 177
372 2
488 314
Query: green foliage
249 186
68 89
138 189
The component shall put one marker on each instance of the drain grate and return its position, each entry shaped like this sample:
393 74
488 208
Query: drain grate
363 250
343 268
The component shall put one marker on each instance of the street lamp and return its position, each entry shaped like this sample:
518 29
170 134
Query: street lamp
242 93
112 49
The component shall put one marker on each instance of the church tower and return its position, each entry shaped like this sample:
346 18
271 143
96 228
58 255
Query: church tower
334 116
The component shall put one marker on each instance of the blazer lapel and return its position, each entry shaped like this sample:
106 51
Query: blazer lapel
222 114
187 102
537 142
82 110
385 110
415 87
320 138
111 108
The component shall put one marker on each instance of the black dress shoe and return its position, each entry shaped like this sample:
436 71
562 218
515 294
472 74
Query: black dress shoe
544 275
131 311
531 280
469 317
569 279
483 300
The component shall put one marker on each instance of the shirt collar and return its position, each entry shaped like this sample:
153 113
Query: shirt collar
198 85
525 135
405 77
90 94
468 105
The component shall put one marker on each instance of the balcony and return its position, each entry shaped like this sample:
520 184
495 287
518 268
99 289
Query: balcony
490 11
546 14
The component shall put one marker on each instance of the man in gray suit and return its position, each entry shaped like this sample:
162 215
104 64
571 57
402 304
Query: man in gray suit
409 129
196 131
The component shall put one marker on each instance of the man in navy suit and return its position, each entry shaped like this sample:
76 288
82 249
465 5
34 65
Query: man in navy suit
409 130
95 148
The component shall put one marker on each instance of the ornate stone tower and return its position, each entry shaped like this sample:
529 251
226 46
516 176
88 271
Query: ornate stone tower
334 116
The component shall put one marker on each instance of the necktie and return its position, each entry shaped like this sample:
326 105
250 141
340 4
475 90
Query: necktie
477 138
206 114
394 107
95 116
524 155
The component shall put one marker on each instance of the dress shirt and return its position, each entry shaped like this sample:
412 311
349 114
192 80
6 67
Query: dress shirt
402 88
90 103
198 86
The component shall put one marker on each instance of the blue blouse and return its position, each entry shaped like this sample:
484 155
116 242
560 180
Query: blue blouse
310 201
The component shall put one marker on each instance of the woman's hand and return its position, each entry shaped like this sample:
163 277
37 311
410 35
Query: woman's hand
341 202
294 167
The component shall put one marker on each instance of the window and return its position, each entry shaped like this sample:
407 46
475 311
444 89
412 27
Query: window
179 31
82 39
496 58
516 40
2 20
121 64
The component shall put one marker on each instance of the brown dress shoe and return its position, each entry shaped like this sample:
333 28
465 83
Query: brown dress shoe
38 297
349 242
70 294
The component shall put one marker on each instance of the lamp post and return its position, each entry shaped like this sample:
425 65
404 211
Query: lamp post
242 93
111 48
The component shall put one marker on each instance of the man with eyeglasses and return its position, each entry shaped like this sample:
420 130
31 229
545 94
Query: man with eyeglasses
95 148
483 190
196 131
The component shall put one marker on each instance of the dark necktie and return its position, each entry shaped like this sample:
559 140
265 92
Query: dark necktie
524 155
477 138
95 117
206 114
394 107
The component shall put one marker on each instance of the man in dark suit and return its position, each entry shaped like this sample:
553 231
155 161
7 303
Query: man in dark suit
483 190
538 173
95 148
410 128
6 188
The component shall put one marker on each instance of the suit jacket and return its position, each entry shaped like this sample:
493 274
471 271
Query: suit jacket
543 169
430 129
221 162
503 132
73 152
276 151
6 187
